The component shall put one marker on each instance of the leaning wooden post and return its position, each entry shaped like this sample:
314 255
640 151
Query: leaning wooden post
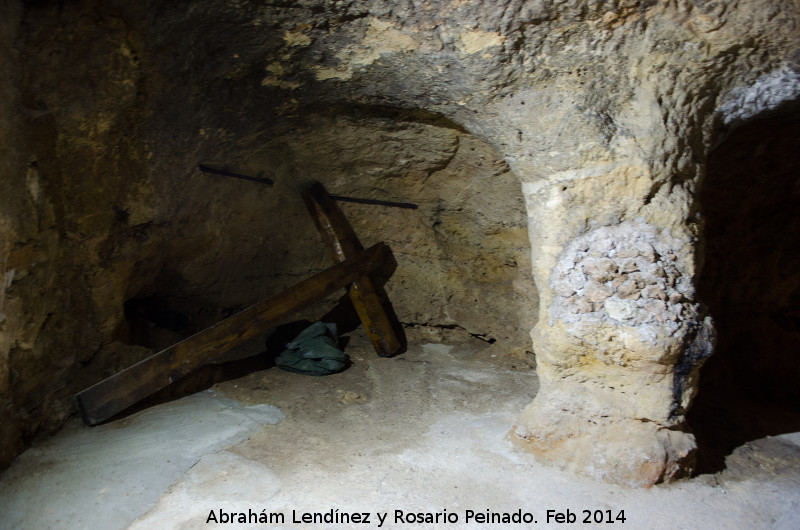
342 244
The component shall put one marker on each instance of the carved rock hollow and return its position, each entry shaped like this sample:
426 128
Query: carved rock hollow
593 120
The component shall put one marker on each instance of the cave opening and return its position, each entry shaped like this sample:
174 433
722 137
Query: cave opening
749 389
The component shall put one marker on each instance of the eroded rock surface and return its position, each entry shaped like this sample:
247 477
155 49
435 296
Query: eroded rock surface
604 111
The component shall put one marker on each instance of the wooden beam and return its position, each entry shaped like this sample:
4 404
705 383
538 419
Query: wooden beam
342 244
110 396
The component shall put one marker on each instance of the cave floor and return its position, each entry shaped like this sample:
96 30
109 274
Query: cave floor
421 432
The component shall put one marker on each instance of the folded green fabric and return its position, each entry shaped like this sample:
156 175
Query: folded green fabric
315 351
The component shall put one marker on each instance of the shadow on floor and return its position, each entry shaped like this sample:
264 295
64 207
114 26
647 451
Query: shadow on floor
728 413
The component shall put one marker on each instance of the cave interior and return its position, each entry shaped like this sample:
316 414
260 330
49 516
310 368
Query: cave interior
117 244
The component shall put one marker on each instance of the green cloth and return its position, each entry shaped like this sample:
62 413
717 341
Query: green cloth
315 351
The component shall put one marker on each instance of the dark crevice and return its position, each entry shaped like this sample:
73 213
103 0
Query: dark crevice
480 336
750 387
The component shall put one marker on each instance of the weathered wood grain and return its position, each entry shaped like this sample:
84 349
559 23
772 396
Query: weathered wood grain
118 392
342 244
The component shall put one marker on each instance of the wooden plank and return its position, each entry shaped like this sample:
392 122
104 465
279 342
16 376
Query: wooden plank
343 243
118 392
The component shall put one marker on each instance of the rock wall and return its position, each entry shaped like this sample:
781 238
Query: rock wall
604 111
118 245
14 209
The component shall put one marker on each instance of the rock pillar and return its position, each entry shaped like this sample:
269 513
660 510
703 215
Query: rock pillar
621 335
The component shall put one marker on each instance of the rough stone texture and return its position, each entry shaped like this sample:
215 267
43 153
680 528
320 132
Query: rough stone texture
627 274
605 112
618 353
13 212
129 248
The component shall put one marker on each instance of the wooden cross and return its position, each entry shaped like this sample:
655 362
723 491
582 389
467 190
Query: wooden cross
118 392
343 244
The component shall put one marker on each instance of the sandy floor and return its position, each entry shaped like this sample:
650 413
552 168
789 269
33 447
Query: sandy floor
423 434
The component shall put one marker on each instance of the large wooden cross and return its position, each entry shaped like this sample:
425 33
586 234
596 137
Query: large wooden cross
354 265
343 244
